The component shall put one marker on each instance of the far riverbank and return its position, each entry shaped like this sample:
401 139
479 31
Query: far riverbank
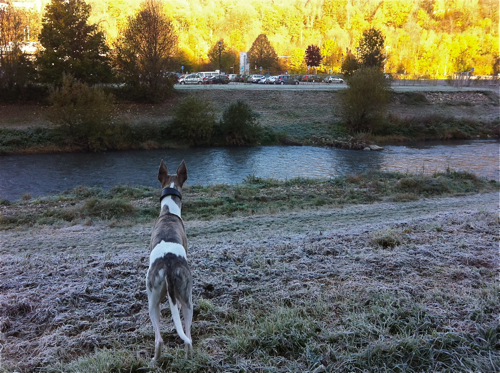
290 116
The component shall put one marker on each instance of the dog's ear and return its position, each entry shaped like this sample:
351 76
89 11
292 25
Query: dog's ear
163 173
182 173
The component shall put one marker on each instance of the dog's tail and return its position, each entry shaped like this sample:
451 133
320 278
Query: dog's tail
179 289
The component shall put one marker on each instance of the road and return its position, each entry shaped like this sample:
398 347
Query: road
440 85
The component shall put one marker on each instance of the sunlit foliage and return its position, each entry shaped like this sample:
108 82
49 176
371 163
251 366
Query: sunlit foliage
144 50
422 37
433 38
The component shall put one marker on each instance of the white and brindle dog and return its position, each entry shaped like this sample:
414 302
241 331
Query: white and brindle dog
168 272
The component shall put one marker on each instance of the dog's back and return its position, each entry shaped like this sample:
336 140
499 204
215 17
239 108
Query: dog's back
168 228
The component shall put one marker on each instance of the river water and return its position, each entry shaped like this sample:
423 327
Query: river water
46 174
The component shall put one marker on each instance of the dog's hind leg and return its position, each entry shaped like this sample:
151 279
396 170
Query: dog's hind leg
154 315
187 313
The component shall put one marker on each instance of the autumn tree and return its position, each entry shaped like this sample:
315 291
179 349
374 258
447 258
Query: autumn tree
296 60
313 56
349 64
71 45
15 67
228 57
144 50
371 48
262 53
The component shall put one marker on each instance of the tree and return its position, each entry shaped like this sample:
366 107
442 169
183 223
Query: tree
72 46
349 65
296 61
228 56
313 56
15 67
262 53
364 101
144 51
371 48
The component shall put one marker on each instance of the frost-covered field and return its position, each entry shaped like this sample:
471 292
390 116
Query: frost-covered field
381 287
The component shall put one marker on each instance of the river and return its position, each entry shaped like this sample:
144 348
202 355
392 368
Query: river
45 174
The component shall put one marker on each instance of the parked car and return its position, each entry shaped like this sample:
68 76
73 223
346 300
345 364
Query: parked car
206 74
194 78
232 77
270 79
263 80
216 79
255 78
311 78
334 79
286 79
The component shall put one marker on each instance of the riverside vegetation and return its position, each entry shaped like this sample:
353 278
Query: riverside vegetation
129 205
291 276
298 116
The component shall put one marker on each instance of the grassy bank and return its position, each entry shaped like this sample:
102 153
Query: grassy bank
54 140
299 116
129 205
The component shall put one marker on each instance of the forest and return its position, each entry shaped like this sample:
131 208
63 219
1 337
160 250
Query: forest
433 38
423 38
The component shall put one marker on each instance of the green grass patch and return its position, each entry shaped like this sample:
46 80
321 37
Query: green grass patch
432 127
254 196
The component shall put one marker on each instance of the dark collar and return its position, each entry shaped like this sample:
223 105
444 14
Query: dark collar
170 192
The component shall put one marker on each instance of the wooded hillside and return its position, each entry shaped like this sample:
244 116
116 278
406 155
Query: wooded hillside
423 37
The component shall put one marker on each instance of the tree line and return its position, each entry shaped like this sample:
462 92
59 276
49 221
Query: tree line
137 44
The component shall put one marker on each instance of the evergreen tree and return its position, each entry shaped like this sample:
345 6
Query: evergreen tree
144 51
72 46
262 53
371 48
313 56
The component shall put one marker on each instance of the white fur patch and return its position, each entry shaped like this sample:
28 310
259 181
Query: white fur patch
164 248
173 208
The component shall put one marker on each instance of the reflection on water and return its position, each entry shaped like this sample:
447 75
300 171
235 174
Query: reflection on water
53 173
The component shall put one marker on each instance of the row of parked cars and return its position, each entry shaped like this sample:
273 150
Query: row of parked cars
210 77
285 79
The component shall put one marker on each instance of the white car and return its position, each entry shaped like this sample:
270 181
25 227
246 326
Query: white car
270 79
255 78
334 79
263 80
194 78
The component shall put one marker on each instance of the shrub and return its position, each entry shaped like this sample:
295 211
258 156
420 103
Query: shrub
364 101
82 113
239 125
107 208
193 121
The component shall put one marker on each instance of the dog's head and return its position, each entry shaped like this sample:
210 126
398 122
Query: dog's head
172 181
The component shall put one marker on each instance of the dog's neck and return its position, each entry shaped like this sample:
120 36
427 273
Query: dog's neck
172 205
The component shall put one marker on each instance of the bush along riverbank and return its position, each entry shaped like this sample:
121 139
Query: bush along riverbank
128 205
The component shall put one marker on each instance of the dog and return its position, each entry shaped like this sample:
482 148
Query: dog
169 274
